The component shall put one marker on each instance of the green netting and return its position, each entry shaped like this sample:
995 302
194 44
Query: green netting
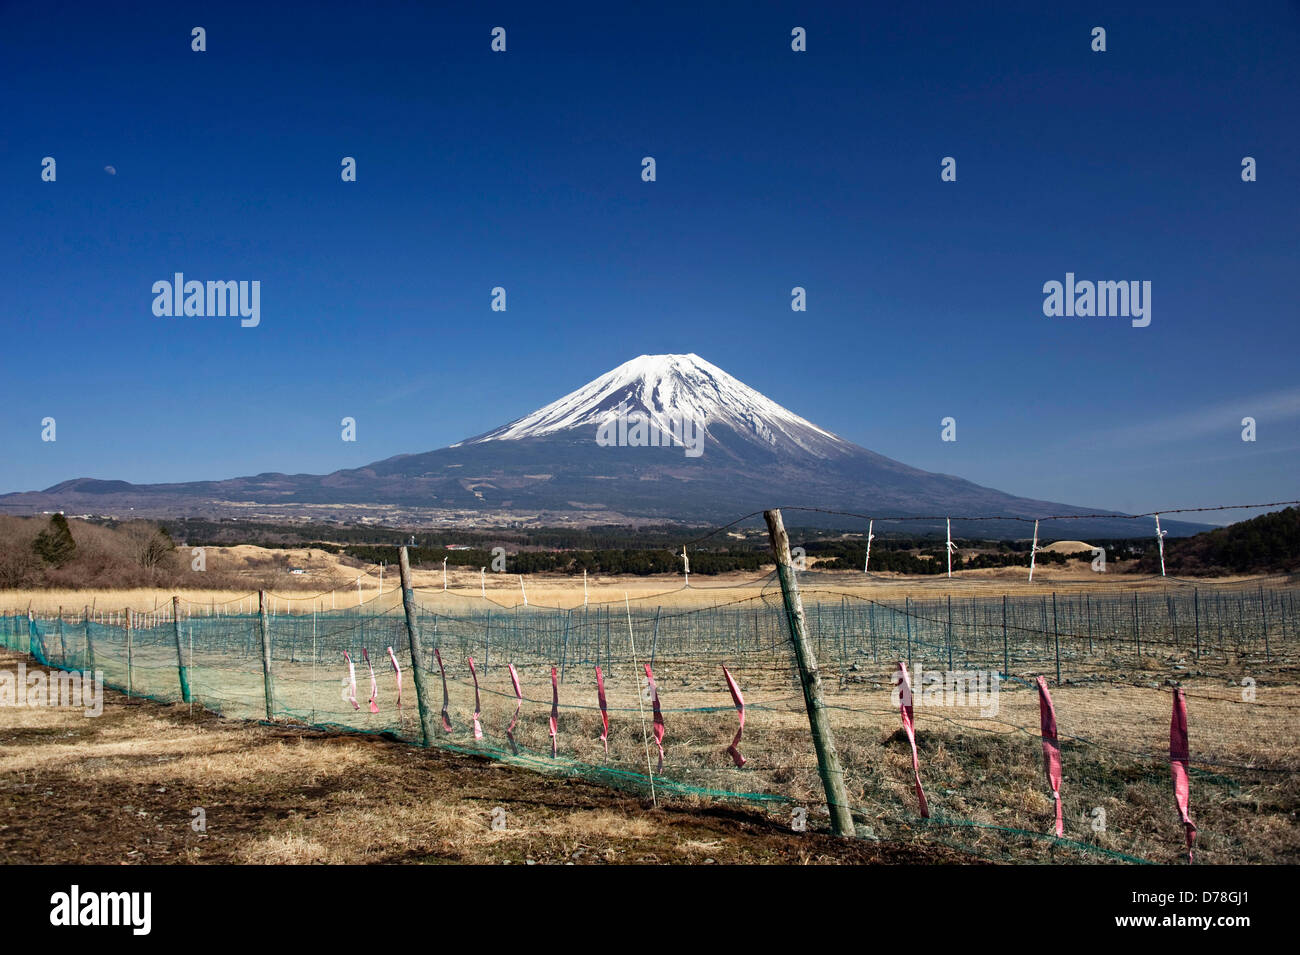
1116 656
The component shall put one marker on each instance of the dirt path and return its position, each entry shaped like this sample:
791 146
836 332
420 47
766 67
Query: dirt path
122 788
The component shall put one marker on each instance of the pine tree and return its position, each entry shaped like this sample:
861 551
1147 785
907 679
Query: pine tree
55 545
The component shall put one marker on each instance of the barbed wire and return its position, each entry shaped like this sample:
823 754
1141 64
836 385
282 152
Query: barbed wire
1101 515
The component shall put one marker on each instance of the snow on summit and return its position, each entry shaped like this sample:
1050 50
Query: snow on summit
681 387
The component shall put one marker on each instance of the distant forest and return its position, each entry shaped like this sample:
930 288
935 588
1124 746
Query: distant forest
1266 544
38 552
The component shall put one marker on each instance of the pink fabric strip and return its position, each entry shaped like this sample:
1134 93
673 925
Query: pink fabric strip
555 715
1179 753
374 685
659 717
478 728
446 718
1051 749
397 671
734 749
519 702
352 682
906 709
604 712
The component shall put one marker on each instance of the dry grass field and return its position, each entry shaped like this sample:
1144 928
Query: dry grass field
122 789
291 785
119 788
329 583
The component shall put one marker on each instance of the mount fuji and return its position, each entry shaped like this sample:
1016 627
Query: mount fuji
551 467
663 389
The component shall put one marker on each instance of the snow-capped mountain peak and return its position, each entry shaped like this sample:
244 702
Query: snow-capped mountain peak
667 388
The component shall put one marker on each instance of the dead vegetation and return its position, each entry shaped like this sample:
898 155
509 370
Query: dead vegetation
123 788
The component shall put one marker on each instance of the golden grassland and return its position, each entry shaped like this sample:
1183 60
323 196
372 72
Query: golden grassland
330 583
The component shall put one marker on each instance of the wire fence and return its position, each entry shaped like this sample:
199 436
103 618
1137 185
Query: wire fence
1111 657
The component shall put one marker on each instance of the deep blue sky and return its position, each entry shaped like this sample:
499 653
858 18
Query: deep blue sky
775 169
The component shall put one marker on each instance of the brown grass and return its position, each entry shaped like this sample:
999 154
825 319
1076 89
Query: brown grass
358 799
330 582
121 789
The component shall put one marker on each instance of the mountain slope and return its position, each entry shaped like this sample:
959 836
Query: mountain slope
1269 543
554 466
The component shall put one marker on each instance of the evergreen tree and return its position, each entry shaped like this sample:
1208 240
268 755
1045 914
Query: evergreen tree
55 545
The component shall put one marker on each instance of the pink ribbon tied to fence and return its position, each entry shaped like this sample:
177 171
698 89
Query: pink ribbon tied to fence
446 701
374 684
478 728
519 702
555 715
1178 757
734 749
604 712
397 672
905 707
352 682
659 717
1051 749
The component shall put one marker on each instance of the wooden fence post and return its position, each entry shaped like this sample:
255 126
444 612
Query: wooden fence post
828 760
654 641
1196 609
128 652
1006 664
907 619
37 639
1263 612
181 669
267 682
88 664
417 655
564 649
1137 631
1056 639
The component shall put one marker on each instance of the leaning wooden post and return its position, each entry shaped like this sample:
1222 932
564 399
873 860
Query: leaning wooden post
267 683
88 664
128 653
181 669
828 760
417 655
